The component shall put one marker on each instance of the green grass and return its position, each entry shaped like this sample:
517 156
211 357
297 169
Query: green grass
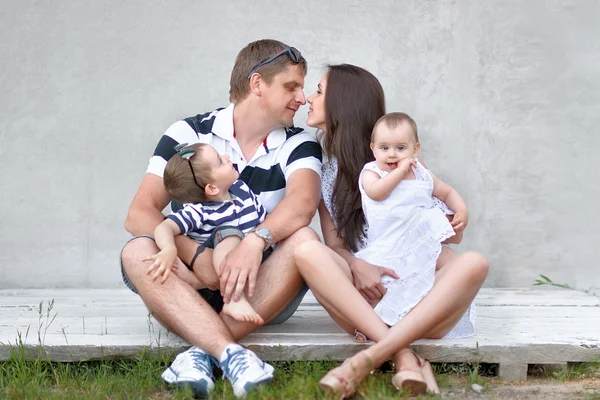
139 378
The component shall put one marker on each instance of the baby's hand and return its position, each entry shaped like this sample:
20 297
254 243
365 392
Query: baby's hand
164 262
460 220
405 165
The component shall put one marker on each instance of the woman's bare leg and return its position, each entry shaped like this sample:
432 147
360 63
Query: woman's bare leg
319 267
451 295
455 288
406 360
338 318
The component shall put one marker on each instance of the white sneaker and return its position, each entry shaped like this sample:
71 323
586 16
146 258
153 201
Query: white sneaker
192 368
244 369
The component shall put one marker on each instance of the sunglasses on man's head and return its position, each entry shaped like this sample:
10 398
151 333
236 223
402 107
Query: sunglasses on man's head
186 152
292 52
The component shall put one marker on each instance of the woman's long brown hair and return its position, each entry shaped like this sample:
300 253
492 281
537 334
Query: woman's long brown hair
354 101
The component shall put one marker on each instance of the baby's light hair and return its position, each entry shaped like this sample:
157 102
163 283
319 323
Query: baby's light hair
179 181
392 120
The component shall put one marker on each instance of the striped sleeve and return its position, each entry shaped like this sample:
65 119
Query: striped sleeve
262 213
251 201
299 152
189 219
179 132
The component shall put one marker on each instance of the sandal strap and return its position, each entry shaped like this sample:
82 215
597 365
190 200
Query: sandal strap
360 337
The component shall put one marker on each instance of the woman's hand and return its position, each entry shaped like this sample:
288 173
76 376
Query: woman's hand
367 279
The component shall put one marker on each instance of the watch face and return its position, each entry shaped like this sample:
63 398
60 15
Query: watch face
264 233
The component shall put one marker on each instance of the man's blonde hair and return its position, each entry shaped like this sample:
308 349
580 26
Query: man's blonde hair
252 55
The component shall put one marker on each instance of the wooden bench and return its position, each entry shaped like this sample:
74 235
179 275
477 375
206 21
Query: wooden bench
515 328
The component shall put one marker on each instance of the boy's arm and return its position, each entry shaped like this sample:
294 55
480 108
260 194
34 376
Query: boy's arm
164 260
145 214
165 233
454 200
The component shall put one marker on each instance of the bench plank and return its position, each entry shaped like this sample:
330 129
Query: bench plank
514 327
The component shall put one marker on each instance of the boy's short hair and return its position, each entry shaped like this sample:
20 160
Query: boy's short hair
179 181
252 55
392 120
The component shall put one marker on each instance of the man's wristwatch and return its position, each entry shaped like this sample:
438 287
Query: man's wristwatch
264 234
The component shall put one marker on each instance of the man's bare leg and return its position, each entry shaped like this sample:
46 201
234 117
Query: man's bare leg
277 283
240 310
175 303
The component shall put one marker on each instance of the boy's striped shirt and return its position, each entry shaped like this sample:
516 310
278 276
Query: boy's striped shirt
200 219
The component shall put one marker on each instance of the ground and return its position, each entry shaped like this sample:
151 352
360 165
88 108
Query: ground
533 389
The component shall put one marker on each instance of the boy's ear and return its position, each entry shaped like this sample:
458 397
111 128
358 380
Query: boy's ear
211 190
417 148
372 145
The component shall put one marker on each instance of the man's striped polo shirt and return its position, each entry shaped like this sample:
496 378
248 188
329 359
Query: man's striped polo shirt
284 151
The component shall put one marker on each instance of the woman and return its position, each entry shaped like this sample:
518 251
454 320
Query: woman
348 102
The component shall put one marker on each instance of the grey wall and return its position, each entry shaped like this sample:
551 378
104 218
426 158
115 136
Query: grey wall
506 95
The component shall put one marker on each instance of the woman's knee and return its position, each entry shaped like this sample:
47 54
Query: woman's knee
477 265
306 251
300 236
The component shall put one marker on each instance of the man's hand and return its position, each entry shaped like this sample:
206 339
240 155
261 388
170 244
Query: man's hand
164 262
460 220
239 266
367 279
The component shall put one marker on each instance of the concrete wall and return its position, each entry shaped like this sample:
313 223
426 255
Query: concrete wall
506 94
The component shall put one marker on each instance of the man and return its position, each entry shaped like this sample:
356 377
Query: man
282 165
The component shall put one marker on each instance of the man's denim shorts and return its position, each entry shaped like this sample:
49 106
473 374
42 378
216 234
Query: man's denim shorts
213 297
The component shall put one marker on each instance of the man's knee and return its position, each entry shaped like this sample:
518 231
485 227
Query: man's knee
136 249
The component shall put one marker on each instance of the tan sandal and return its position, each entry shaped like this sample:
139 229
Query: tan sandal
419 381
360 337
344 387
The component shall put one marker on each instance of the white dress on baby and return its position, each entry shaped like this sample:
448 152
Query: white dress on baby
405 234
466 326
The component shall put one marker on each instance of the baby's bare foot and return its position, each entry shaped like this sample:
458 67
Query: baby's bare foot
242 311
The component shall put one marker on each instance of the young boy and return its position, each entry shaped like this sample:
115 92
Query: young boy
219 210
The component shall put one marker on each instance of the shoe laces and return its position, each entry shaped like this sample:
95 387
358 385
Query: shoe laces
201 361
237 363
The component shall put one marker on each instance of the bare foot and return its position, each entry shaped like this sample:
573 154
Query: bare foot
242 311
